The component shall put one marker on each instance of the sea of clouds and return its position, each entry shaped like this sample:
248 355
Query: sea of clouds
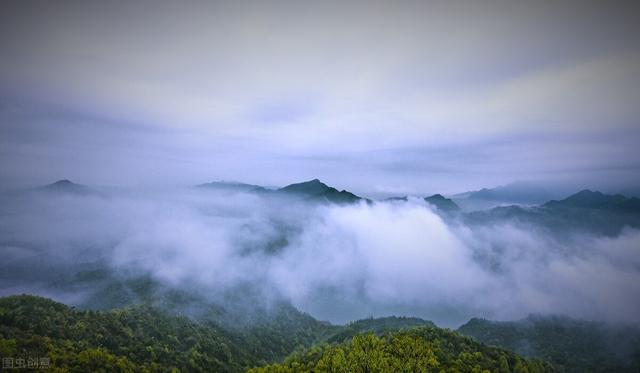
336 262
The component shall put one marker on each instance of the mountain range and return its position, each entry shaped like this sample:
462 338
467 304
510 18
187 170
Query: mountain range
142 338
232 186
521 192
145 337
315 190
585 211
570 345
597 200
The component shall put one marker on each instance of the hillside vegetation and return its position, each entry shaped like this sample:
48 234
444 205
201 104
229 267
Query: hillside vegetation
142 338
571 345
421 349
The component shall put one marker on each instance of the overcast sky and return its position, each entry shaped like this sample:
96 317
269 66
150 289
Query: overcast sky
390 96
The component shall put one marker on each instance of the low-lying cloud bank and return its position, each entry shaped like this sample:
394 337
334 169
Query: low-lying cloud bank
335 262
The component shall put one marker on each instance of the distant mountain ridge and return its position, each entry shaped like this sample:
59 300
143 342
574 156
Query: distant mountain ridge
314 190
143 337
597 200
232 186
319 191
585 211
517 192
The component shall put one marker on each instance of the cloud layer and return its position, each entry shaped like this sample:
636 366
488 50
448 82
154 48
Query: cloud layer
337 262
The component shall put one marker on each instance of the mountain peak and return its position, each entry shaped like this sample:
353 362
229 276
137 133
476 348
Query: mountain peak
66 186
63 182
319 190
442 203
312 187
313 182
437 196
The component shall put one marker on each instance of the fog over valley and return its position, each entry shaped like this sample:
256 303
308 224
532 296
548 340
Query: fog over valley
337 260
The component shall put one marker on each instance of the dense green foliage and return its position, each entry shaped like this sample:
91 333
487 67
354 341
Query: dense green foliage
571 345
276 335
421 349
131 339
378 326
142 338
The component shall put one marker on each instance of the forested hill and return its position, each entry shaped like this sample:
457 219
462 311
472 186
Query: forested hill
378 326
421 349
571 345
141 338
137 338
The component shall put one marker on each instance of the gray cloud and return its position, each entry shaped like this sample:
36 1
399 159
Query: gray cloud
159 92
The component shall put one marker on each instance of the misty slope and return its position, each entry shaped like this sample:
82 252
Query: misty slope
421 349
317 190
143 338
268 335
445 207
152 338
269 332
378 326
571 345
239 261
126 340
